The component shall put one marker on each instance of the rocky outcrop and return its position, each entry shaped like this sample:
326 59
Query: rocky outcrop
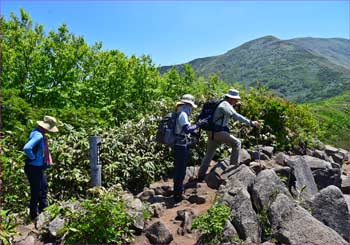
243 217
265 188
292 224
305 185
329 207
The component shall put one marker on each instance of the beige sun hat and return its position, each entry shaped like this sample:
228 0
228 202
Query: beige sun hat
187 99
49 123
233 93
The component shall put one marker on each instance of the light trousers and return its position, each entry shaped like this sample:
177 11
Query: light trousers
219 138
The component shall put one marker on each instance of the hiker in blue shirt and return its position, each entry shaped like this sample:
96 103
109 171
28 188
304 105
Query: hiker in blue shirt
181 148
38 158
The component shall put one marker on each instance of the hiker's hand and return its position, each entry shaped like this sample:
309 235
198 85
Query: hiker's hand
255 124
202 122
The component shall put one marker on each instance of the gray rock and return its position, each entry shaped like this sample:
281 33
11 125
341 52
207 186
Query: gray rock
29 240
281 158
244 157
43 220
230 234
338 158
137 220
316 163
329 207
22 233
345 184
196 199
191 173
242 173
55 225
282 172
214 179
256 167
268 150
163 190
158 209
146 195
347 199
304 181
243 216
330 150
186 225
134 204
265 188
326 177
158 233
291 224
319 154
256 155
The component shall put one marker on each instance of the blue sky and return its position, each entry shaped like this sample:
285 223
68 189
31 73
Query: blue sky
173 32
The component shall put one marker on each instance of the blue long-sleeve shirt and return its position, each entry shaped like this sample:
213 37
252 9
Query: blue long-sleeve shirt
36 141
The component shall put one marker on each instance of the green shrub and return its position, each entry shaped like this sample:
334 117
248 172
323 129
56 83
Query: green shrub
7 227
102 220
211 224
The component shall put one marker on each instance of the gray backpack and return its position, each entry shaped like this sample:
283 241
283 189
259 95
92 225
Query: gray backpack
166 129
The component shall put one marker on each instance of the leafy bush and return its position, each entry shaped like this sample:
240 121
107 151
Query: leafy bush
7 227
211 224
104 220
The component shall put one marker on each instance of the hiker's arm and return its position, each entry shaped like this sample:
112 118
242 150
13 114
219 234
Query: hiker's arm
189 129
28 148
240 118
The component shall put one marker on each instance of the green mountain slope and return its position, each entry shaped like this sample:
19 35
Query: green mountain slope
298 69
334 115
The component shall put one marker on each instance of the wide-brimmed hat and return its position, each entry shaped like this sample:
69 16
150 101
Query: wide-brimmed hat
49 124
233 93
187 99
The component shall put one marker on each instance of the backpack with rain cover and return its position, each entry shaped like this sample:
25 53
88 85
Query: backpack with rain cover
166 129
206 115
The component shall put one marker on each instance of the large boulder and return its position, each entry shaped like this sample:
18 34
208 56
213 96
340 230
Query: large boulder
316 163
305 185
330 207
265 188
158 233
324 172
241 173
326 177
235 195
292 224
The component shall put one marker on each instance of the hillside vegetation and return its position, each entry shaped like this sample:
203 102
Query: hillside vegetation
334 116
301 70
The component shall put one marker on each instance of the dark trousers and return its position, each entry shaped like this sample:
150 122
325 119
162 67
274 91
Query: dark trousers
181 154
38 189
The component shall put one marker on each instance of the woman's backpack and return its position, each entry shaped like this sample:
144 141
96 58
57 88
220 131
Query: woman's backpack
166 129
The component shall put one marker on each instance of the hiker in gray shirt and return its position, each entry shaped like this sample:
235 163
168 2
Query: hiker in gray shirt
221 135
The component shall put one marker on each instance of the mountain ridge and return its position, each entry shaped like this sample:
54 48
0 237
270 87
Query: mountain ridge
299 69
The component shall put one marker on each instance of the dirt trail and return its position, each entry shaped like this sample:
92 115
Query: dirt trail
168 217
